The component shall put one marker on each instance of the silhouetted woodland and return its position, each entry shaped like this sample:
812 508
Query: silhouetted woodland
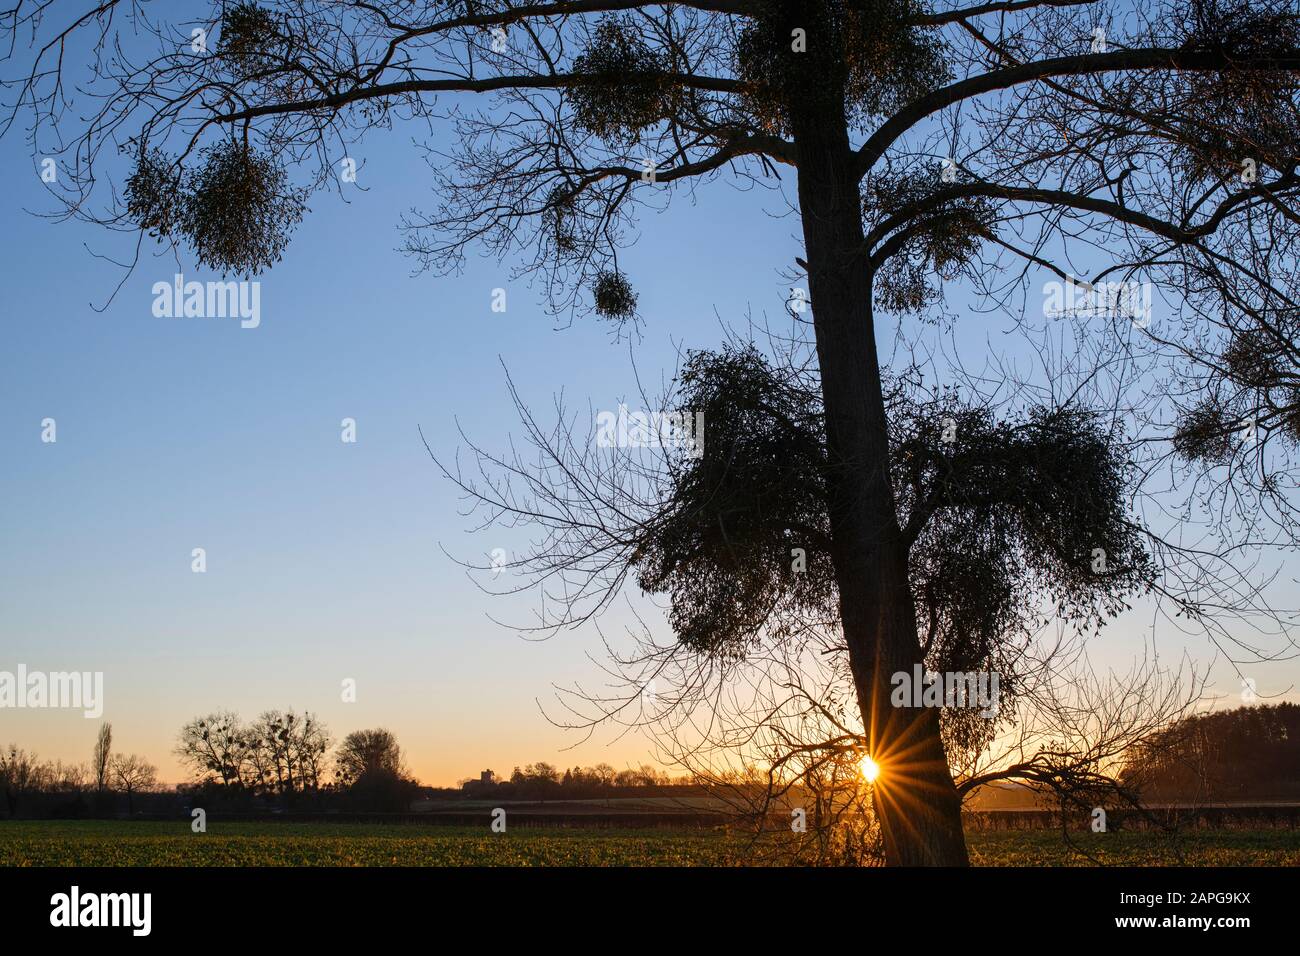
1249 753
541 781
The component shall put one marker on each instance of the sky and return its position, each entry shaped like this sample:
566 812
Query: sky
326 560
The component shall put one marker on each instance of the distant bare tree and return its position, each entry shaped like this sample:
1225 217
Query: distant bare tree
20 776
216 747
133 774
294 746
102 757
68 777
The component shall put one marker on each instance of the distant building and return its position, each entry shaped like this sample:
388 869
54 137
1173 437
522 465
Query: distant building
486 779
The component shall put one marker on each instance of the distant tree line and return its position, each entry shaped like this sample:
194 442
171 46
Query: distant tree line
1247 753
33 787
539 781
281 753
285 758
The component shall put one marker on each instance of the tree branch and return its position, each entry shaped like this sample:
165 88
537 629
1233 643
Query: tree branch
1084 64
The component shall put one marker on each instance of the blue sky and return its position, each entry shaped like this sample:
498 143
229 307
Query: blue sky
325 559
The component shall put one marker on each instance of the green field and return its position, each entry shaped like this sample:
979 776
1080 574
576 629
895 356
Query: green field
98 843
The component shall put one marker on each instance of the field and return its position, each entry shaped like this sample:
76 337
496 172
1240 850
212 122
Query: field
101 843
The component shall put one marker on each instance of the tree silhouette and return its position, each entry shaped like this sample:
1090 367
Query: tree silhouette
217 746
756 690
369 751
369 764
1250 752
292 748
1133 131
134 774
101 760
281 753
20 775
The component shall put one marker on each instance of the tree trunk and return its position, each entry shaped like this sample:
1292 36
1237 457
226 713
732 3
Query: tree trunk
915 800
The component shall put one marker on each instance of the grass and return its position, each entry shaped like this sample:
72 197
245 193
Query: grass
1135 848
105 843
98 843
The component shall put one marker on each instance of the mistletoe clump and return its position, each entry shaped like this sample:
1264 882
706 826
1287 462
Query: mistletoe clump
1256 381
945 234
721 545
240 210
1253 359
890 61
951 239
626 86
153 193
1019 505
1204 433
237 210
558 218
803 53
902 286
615 297
1237 114
250 38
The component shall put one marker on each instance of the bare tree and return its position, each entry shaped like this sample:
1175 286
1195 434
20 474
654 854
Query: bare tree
294 746
133 774
20 775
216 746
754 696
983 143
281 753
102 757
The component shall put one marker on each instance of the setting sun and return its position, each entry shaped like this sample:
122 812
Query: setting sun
870 769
